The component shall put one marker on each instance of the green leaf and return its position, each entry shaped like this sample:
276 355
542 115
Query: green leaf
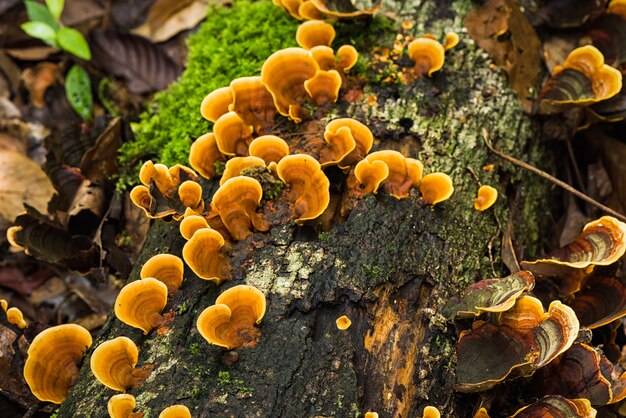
78 91
39 30
73 42
56 8
40 13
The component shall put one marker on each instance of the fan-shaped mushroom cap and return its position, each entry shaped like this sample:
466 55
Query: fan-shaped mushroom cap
4 304
202 254
216 103
307 10
436 187
452 40
371 414
310 188
230 322
139 304
236 201
140 196
343 322
330 8
190 195
291 6
431 412
487 196
269 148
113 364
324 56
428 54
203 155
555 406
159 173
121 406
323 87
236 165
363 138
617 7
166 268
314 33
15 317
175 411
232 134
402 176
190 224
370 175
284 74
253 103
347 56
52 363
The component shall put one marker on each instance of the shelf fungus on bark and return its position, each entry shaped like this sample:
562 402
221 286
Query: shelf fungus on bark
524 340
428 55
323 87
216 103
344 9
16 317
236 165
253 103
324 56
175 411
230 323
404 173
122 406
490 295
113 364
309 188
166 268
347 56
431 412
300 9
236 202
343 322
190 195
601 301
314 33
370 175
52 364
557 407
451 40
601 243
582 80
435 188
360 134
204 154
232 134
202 254
487 197
192 223
284 74
581 372
269 148
370 414
140 303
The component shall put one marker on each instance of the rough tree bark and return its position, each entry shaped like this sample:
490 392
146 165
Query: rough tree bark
390 266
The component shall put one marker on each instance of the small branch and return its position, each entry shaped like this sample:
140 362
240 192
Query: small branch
552 179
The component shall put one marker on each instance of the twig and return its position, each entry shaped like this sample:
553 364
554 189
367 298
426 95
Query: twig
550 178
572 158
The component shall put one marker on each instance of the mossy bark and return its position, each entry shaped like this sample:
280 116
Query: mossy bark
390 266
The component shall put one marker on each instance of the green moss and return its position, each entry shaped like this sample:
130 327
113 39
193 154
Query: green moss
233 42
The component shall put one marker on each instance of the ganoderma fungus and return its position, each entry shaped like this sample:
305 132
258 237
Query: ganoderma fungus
232 134
435 188
52 364
204 154
140 303
314 33
202 254
122 405
166 268
269 148
487 196
343 322
113 364
175 411
230 322
216 103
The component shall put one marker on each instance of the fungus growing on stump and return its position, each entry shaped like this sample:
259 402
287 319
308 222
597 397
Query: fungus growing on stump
428 54
202 254
343 322
370 175
487 196
190 224
204 154
236 165
113 363
166 268
360 134
269 148
140 303
253 103
314 33
232 134
435 188
216 103
122 405
404 173
175 411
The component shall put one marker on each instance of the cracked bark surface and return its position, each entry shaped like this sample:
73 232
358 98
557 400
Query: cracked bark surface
390 267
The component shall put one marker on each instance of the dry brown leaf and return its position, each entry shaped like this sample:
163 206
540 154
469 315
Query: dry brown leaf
37 80
22 181
35 53
501 29
613 154
167 18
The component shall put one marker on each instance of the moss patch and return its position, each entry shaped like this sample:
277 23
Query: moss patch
233 42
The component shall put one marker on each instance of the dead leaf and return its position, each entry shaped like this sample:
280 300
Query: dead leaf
168 18
35 53
501 29
556 48
78 12
100 161
144 66
37 80
612 153
13 278
22 181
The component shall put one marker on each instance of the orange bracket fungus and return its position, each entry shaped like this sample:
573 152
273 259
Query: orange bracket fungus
555 407
404 173
436 187
190 195
15 317
524 340
309 188
360 134
343 322
204 154
140 303
253 103
431 412
190 224
325 57
490 295
52 364
236 202
269 148
113 363
370 175
202 254
487 196
284 74
121 406
314 33
175 411
166 268
232 134
346 9
216 103
601 301
347 56
323 87
371 414
236 165
428 54
230 322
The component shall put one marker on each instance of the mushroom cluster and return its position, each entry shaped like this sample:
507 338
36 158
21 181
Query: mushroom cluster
14 315
318 9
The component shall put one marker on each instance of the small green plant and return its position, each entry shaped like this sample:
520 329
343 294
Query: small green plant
45 24
194 348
